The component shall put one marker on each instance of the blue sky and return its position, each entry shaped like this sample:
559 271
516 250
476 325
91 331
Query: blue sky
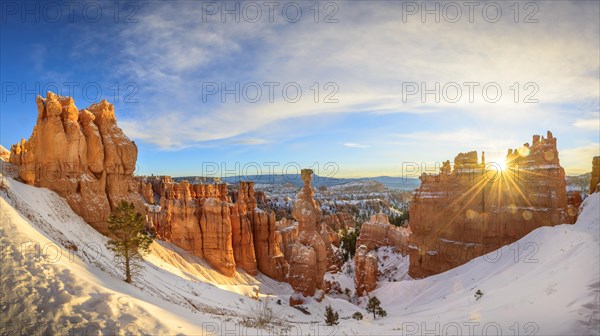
162 55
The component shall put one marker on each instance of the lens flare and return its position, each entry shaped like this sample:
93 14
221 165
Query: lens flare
524 151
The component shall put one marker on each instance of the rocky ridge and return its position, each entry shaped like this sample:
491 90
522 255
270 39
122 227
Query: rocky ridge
474 208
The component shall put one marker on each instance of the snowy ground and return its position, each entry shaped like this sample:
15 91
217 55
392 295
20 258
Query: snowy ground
57 274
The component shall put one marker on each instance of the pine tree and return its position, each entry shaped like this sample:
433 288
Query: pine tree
374 307
331 317
129 241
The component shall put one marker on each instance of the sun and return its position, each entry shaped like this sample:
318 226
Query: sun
499 164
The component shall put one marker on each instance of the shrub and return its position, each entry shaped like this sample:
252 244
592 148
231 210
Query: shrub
357 316
478 294
261 316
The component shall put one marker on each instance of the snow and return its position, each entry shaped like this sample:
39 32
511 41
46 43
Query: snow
50 285
555 290
392 266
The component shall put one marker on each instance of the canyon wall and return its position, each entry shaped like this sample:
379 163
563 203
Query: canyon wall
82 155
229 230
474 208
225 228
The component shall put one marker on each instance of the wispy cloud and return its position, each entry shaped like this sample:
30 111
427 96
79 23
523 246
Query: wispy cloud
590 124
250 141
369 54
354 145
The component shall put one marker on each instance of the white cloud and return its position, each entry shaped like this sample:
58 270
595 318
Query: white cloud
591 124
250 141
354 145
369 54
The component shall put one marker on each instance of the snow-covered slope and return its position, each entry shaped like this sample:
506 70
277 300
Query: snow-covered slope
547 283
57 274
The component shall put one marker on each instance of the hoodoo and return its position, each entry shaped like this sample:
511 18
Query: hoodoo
309 255
80 154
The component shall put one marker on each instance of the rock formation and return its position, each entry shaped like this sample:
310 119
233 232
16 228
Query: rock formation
268 244
375 233
4 154
84 157
309 255
288 230
379 232
80 154
241 227
195 217
574 200
227 229
340 220
474 208
215 225
255 239
366 270
146 192
595 179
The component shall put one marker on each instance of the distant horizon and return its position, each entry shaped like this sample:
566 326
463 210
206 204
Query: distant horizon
429 168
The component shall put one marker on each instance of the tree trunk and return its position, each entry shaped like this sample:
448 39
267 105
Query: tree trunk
127 268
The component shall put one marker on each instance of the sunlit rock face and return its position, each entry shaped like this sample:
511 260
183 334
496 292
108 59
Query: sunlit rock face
595 179
225 228
4 154
80 154
146 192
268 244
256 243
309 255
474 208
241 225
195 217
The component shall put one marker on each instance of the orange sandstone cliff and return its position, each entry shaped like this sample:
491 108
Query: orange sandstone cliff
80 154
474 208
225 228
